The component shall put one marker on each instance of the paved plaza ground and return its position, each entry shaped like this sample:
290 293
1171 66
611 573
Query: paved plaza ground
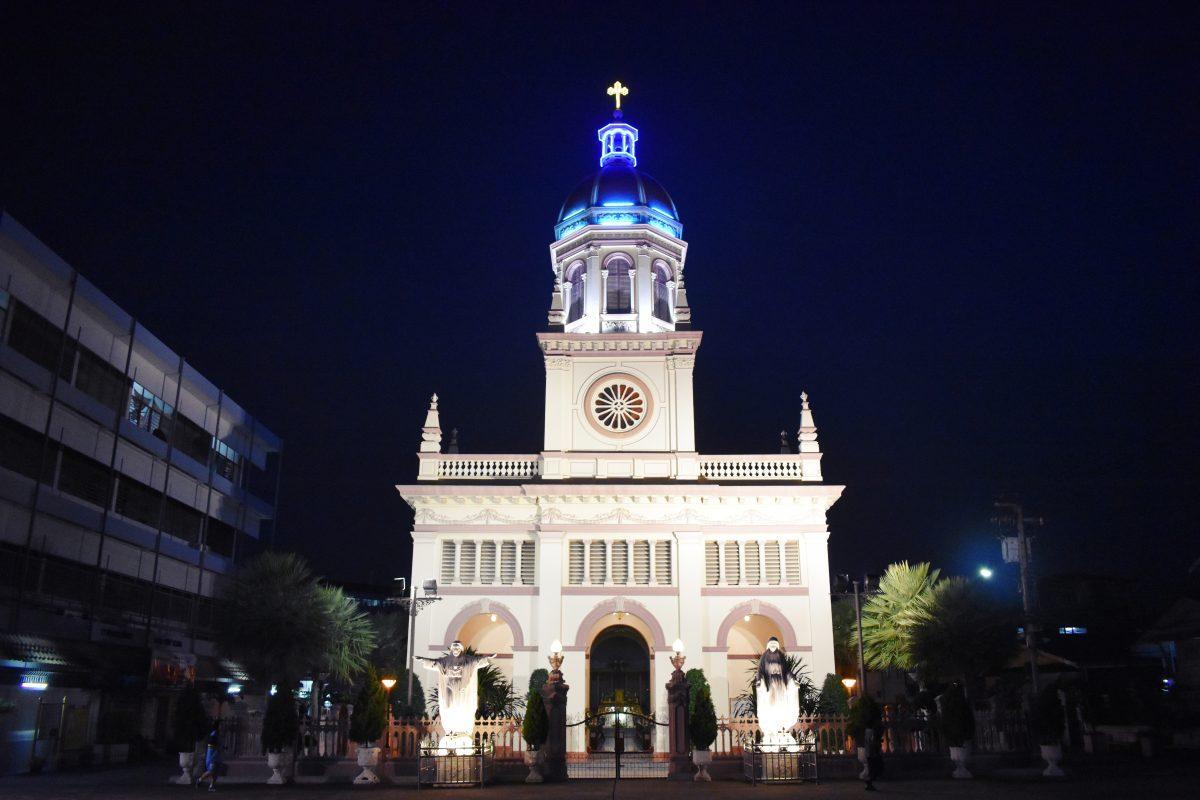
1160 778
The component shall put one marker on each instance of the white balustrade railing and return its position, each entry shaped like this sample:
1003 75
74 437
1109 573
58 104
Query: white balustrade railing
783 467
485 467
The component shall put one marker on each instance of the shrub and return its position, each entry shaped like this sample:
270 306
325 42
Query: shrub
537 679
280 724
536 725
696 681
703 720
833 699
864 713
957 719
1047 719
370 710
190 723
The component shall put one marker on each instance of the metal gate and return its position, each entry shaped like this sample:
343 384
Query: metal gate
620 744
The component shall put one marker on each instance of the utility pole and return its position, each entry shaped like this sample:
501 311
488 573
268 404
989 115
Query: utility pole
1023 559
862 671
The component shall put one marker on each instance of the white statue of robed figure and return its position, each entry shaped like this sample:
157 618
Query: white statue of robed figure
778 697
458 695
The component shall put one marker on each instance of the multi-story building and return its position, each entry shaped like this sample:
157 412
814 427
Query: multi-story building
619 537
129 487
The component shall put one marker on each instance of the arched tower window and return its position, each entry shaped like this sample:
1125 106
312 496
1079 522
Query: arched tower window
618 286
660 274
573 281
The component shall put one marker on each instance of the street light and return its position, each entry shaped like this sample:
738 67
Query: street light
413 605
986 573
388 683
849 683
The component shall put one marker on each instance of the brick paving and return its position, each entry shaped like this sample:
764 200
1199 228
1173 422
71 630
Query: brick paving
1160 778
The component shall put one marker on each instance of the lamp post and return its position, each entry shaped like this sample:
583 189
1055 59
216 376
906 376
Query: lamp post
388 683
1018 511
413 605
856 588
554 695
849 683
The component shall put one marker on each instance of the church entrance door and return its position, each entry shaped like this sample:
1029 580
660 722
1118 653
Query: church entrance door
619 727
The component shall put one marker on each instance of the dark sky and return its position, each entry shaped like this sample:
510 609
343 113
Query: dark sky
969 232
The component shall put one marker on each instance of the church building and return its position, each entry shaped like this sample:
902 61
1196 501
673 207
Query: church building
620 536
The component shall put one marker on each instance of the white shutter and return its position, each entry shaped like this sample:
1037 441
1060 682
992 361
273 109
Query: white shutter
712 563
733 564
662 562
466 561
753 573
620 562
508 562
771 562
487 562
598 562
791 553
575 563
641 563
448 561
528 562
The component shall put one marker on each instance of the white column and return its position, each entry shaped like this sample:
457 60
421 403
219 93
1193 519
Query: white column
643 298
814 567
692 623
593 289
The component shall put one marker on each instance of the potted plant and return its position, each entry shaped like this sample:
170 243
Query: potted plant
864 714
703 729
1047 721
367 725
189 726
535 727
958 727
279 730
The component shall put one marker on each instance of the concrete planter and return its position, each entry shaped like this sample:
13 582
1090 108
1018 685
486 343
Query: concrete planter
533 760
702 758
187 762
1052 754
368 758
959 756
277 762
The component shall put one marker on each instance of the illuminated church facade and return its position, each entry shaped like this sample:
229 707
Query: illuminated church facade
619 537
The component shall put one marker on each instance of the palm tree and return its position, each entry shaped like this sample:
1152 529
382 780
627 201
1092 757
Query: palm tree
889 617
967 636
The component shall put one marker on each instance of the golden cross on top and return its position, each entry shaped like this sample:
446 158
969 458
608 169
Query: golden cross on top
618 91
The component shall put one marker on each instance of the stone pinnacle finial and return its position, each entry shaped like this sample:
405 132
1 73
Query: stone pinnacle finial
784 445
431 433
807 435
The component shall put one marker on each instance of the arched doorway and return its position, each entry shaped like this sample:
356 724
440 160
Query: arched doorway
619 669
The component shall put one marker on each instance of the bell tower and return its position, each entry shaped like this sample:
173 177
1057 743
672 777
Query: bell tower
619 351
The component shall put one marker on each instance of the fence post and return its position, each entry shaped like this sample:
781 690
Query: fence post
678 693
554 694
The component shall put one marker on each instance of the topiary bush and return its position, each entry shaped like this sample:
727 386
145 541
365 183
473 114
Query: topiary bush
370 710
536 725
1047 718
833 698
281 725
957 719
537 679
696 680
864 713
703 720
190 723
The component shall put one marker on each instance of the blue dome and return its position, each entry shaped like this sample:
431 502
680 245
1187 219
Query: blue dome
618 185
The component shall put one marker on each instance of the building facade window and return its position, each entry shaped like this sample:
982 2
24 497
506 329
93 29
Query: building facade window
37 338
618 286
575 282
191 439
100 380
84 478
660 276
226 460
148 412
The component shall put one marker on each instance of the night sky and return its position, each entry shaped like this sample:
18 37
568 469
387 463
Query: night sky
969 233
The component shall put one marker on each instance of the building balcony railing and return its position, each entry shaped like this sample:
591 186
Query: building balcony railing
619 464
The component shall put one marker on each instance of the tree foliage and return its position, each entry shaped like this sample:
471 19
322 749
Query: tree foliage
281 724
967 634
370 710
190 723
845 638
957 719
864 713
703 720
889 617
696 681
281 624
833 698
536 725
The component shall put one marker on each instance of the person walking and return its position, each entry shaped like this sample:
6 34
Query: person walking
212 758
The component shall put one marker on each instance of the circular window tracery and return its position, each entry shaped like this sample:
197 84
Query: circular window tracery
618 405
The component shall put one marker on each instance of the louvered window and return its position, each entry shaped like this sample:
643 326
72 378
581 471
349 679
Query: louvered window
771 562
620 562
733 564
508 562
575 563
528 561
448 561
712 563
487 562
466 562
598 562
662 562
641 563
753 563
791 554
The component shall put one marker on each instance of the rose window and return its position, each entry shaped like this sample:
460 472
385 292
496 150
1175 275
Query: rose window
619 406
